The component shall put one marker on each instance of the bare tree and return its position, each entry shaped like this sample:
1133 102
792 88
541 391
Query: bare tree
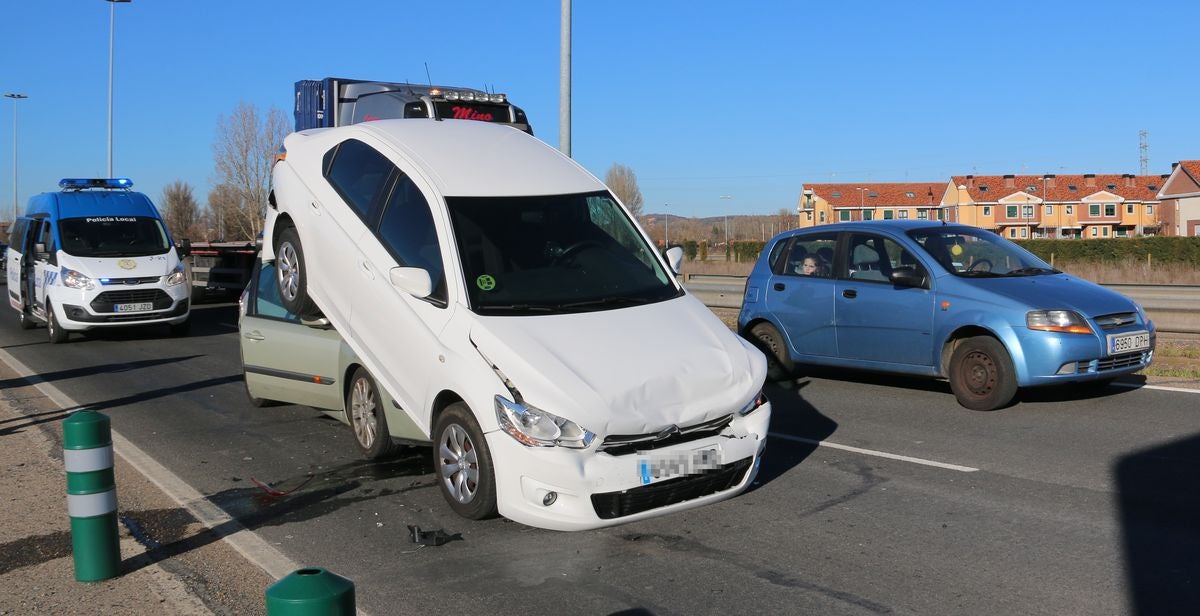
244 151
227 217
623 182
180 210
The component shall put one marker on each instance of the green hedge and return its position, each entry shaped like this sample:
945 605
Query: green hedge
1184 250
745 250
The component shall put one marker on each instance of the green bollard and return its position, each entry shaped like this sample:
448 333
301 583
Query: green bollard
311 592
91 496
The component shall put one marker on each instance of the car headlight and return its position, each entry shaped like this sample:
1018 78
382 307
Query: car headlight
177 275
754 404
75 280
534 427
1065 321
1141 312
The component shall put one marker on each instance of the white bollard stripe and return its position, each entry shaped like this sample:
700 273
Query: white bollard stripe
88 460
91 505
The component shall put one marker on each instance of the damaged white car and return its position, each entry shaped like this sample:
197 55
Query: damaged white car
513 309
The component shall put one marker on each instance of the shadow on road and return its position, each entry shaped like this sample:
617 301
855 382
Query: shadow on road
206 320
73 373
1159 500
791 415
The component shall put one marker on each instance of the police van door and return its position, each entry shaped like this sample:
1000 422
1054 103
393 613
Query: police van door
43 267
18 275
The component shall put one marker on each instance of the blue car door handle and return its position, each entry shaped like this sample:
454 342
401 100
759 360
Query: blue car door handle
849 294
779 286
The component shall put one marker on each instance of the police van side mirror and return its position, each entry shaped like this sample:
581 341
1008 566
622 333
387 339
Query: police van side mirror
184 248
39 250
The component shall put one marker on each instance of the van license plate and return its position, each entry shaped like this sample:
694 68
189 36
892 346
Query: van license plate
142 307
1127 343
656 467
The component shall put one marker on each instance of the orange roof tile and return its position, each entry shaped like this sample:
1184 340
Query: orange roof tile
891 194
992 188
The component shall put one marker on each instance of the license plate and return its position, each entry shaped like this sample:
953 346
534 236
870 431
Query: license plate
142 307
656 467
1127 343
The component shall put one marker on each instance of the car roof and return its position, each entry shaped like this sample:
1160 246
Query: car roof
481 159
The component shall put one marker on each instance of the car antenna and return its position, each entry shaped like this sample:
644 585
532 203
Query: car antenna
427 77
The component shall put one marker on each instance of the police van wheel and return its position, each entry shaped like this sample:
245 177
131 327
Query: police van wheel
291 274
462 463
58 335
26 321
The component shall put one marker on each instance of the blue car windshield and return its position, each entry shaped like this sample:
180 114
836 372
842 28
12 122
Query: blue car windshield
977 253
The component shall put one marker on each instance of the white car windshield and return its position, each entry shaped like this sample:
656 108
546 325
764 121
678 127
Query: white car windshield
113 236
978 253
557 253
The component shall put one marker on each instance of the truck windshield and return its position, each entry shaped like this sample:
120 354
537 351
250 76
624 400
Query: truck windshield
554 254
113 236
978 253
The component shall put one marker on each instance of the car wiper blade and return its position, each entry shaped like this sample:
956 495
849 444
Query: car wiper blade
978 274
606 301
519 307
1032 271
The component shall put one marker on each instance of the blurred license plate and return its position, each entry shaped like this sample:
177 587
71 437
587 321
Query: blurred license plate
1127 343
142 307
655 467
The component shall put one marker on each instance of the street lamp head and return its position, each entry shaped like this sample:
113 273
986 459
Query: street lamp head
15 96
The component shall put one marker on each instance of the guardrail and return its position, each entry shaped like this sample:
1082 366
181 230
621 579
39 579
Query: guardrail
1173 308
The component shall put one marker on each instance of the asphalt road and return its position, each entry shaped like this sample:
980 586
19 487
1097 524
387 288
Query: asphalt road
1066 503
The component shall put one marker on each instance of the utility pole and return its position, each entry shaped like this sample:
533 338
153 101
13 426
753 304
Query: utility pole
564 81
15 96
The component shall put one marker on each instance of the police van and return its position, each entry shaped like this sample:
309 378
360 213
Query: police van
95 254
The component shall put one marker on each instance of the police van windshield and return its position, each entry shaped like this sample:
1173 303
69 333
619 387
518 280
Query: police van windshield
554 254
113 236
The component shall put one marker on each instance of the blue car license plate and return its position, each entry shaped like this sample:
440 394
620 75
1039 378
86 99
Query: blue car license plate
1128 343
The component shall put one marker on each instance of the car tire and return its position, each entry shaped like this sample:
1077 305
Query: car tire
364 409
25 320
768 340
982 375
291 274
58 335
462 463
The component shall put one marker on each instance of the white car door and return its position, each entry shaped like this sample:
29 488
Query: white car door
400 332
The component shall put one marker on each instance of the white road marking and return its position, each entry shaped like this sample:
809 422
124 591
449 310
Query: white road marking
253 547
1182 390
871 452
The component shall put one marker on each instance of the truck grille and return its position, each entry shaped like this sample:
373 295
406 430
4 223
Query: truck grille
611 505
128 281
625 444
105 301
1113 321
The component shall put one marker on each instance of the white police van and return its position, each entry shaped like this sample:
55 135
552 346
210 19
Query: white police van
95 254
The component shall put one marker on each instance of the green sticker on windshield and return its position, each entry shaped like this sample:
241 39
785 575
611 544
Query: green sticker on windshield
485 282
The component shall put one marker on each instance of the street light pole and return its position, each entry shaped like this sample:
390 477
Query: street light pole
112 22
15 96
667 226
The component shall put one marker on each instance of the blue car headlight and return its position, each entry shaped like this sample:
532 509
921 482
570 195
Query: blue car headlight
1064 321
534 427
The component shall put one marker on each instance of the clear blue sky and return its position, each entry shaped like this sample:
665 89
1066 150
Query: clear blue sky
701 99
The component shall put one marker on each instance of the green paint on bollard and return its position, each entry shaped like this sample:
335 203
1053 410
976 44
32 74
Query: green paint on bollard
311 592
91 496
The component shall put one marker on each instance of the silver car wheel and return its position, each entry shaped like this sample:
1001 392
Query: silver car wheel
288 270
459 464
362 413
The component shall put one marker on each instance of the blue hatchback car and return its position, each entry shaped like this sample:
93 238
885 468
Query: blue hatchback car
938 300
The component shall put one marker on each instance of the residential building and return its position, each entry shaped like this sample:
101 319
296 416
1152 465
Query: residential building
828 203
1180 196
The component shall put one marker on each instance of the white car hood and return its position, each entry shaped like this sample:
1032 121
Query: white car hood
121 267
627 371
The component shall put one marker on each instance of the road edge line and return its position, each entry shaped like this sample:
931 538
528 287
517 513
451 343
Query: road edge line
245 541
1182 390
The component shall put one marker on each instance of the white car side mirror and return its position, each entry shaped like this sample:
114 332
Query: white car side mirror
412 280
675 258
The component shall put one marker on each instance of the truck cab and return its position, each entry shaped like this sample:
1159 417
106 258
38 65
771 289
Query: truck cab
94 255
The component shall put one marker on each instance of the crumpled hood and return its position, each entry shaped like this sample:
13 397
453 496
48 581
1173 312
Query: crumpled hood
626 371
1059 291
111 267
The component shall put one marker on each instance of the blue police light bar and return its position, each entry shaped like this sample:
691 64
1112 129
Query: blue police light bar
82 183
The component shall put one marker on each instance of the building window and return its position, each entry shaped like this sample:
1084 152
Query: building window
922 214
867 214
844 215
987 210
822 215
941 214
1122 232
1024 232
910 195
903 214
1095 232
1104 231
1070 210
1094 209
1129 208
1010 211
1027 211
1110 209
888 214
1049 210
836 195
1012 232
1149 210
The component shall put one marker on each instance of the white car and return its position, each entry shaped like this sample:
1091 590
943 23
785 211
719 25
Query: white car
513 309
